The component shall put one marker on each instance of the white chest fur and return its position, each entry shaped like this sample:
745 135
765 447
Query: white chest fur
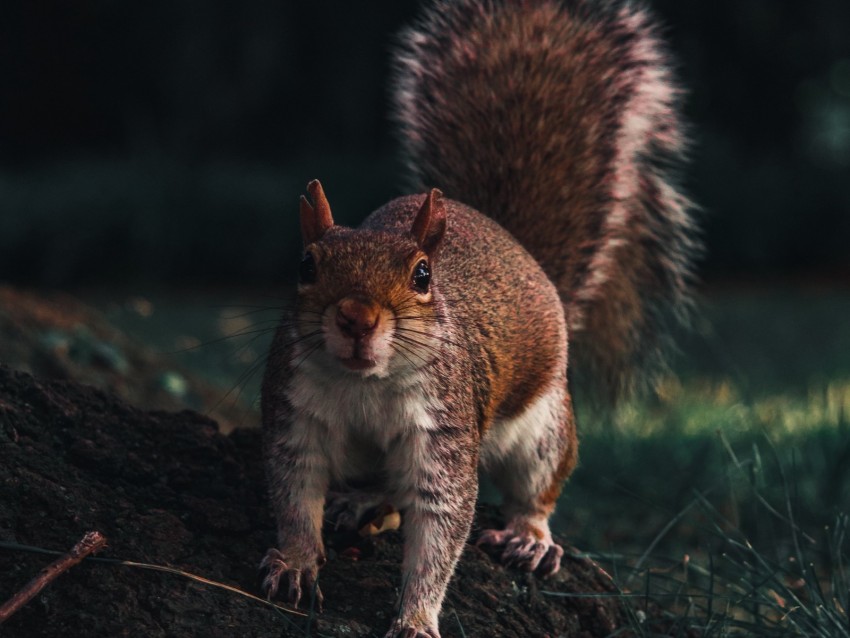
357 418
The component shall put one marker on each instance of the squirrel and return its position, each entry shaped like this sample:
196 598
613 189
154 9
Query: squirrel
431 341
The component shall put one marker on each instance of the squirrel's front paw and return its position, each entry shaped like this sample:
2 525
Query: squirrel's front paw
532 552
412 632
297 581
415 624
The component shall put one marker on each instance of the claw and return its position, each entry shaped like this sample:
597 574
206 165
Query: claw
299 580
294 587
413 632
523 550
312 586
275 565
551 562
492 537
417 625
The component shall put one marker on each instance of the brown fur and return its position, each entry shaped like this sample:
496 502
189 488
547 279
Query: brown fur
559 120
474 252
554 119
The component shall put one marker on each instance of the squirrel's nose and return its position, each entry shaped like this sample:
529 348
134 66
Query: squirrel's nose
355 318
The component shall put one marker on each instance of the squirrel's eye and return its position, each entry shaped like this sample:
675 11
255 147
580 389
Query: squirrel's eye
307 269
421 277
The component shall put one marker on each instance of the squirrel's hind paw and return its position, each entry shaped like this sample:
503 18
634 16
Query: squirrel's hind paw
346 510
524 550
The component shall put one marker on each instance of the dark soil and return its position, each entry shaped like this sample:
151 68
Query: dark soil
167 487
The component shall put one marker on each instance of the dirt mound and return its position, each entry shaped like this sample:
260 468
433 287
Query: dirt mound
170 489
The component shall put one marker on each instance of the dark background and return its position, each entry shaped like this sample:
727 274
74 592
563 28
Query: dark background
166 142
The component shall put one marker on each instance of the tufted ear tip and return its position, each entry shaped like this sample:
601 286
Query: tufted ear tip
316 218
429 226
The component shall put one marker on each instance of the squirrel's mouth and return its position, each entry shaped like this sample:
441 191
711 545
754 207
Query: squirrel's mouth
355 346
356 363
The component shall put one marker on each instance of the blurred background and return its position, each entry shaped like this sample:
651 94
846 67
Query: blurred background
151 159
167 142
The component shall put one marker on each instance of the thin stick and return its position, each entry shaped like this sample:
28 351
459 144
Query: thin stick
161 568
90 543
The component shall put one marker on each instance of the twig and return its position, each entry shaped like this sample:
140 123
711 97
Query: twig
161 568
90 543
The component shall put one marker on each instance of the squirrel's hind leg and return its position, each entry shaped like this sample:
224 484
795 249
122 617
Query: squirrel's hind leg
528 457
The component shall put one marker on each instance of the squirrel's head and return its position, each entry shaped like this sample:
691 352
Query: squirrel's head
366 301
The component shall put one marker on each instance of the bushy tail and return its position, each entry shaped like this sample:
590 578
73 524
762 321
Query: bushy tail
560 121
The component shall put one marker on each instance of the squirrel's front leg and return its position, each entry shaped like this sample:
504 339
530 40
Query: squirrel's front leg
435 481
298 476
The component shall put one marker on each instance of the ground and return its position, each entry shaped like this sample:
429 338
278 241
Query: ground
168 488
722 498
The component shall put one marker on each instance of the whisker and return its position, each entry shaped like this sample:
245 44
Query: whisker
258 308
426 334
245 346
243 333
394 346
410 351
240 383
409 305
410 340
247 313
308 354
406 306
300 338
430 317
414 343
294 323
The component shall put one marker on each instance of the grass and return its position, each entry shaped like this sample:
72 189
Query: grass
759 548
757 571
725 499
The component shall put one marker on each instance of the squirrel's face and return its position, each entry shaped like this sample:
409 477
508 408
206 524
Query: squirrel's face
366 304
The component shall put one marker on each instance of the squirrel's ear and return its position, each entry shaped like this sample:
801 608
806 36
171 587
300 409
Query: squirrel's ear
315 219
430 223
